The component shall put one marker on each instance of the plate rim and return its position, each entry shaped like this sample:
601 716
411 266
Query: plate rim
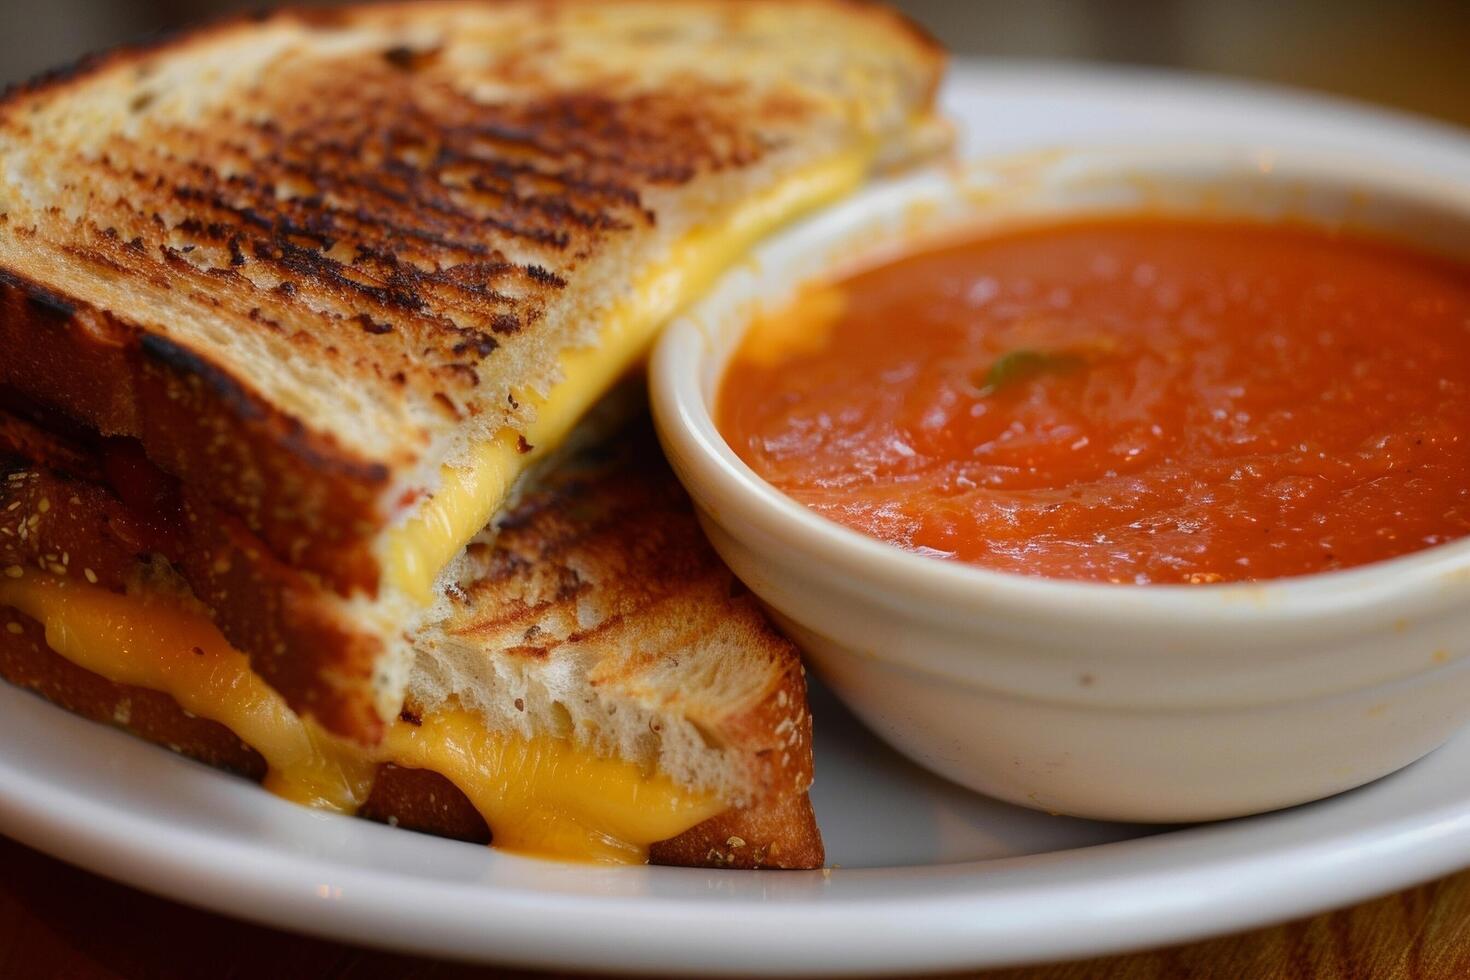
1215 890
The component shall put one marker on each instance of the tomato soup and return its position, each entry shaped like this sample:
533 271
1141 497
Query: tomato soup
1125 399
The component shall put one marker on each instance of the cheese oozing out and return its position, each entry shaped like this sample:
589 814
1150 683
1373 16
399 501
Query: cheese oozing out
473 490
544 796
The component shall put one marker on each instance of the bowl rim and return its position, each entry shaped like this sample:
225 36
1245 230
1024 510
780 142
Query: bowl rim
709 467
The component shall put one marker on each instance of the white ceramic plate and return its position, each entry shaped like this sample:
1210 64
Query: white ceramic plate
927 876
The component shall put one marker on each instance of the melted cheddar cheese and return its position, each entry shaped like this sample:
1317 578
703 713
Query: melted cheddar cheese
150 642
471 492
542 796
546 796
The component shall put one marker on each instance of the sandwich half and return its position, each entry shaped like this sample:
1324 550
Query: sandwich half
314 290
601 689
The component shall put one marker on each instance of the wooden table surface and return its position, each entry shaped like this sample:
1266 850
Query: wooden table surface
57 921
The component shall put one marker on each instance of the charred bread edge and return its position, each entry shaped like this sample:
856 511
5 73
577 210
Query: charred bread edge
313 503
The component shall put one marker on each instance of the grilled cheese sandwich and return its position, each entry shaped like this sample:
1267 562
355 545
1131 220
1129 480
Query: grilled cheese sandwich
291 308
345 275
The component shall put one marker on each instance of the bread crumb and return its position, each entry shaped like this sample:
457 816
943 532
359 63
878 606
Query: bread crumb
14 571
15 628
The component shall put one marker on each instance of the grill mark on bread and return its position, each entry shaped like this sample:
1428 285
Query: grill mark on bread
52 306
286 258
412 198
602 569
316 208
377 161
418 176
249 212
620 521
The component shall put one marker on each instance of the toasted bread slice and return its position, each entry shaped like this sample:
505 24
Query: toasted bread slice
598 616
321 263
598 611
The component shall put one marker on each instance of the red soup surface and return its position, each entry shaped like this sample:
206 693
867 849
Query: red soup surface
1129 399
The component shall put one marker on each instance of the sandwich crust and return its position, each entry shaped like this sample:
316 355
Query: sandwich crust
307 259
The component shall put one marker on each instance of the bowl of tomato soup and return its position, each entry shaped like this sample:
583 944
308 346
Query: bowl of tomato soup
1129 484
1134 398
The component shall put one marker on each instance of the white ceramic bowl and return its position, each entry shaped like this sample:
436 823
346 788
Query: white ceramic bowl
1140 703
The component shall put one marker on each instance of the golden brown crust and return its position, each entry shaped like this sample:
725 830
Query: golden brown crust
132 51
928 48
778 835
47 522
775 729
426 802
294 631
